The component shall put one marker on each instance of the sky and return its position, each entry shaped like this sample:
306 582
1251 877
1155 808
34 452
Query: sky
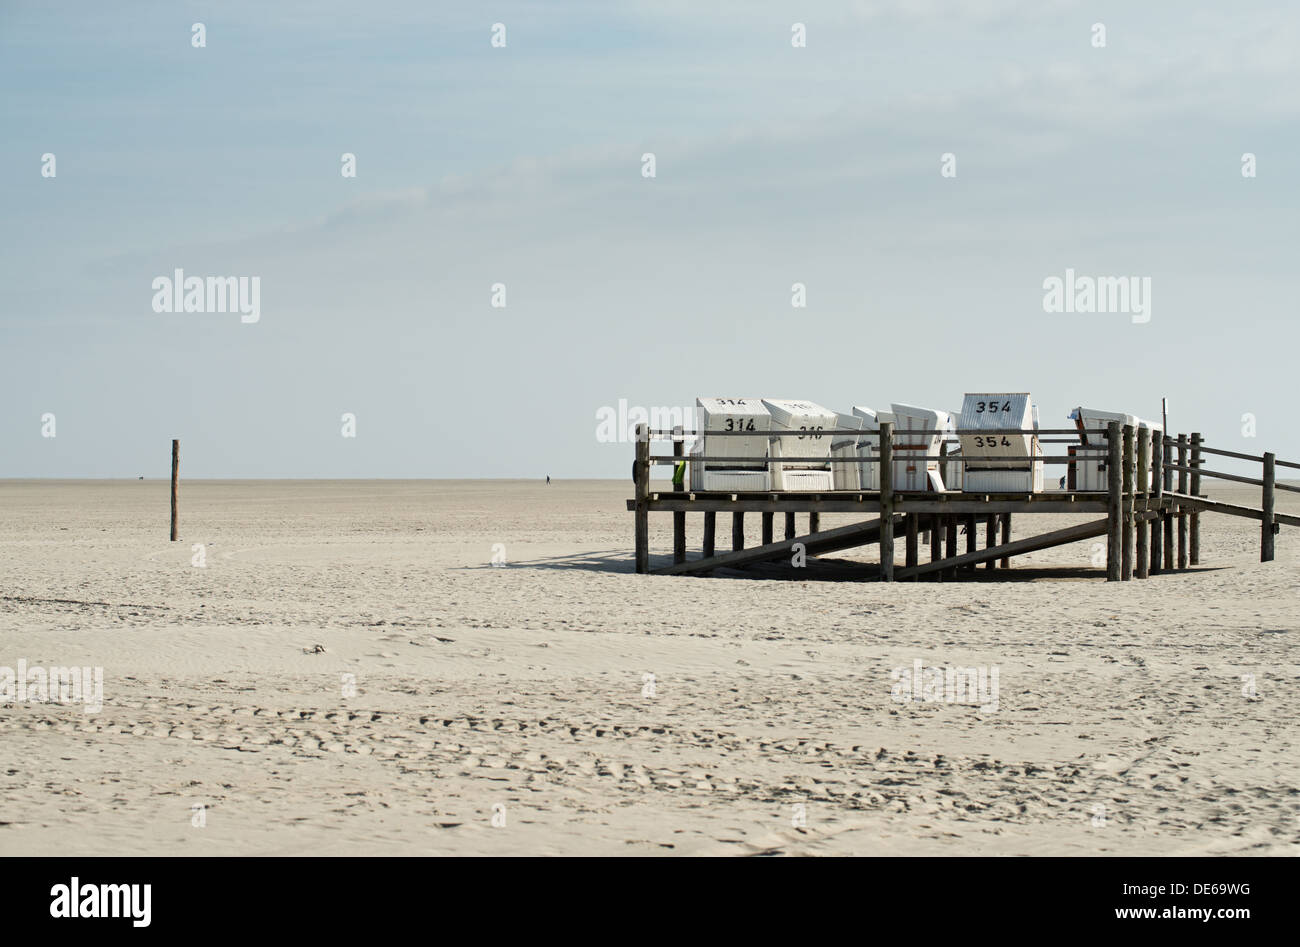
522 165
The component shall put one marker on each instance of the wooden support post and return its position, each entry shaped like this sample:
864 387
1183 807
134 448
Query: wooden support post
950 543
1194 537
887 501
1126 570
911 526
1143 489
1166 516
1006 538
737 531
710 532
679 519
1158 492
1115 508
1267 527
972 537
176 474
936 538
789 526
767 528
1182 488
1169 470
991 537
641 474
814 522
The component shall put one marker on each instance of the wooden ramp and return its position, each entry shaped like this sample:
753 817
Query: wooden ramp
815 544
1218 506
1032 544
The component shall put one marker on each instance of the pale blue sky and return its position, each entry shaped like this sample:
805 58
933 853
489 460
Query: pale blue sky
522 165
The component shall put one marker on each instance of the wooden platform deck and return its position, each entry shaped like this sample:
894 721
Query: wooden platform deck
1141 510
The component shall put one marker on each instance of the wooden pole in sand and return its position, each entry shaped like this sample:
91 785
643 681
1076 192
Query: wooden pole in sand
1182 488
1194 537
1158 491
1005 562
710 532
679 519
767 528
936 538
1126 572
972 538
176 473
950 543
911 526
1267 527
737 531
1143 489
814 521
641 475
887 501
789 526
1166 516
1115 508
991 537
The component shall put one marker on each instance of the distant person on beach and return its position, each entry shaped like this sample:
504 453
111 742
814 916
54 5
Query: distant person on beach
548 480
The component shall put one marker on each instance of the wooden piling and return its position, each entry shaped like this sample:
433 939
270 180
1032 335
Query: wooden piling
1126 570
641 475
1194 523
814 522
176 474
991 537
1166 515
789 526
912 522
950 543
887 501
1157 493
1115 501
936 538
767 528
710 532
1143 489
679 519
1268 527
972 538
1182 488
1005 562
737 531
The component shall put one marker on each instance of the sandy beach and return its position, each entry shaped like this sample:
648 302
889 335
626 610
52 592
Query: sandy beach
340 669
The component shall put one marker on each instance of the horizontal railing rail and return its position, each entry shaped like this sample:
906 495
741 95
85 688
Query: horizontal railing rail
663 433
951 458
1220 475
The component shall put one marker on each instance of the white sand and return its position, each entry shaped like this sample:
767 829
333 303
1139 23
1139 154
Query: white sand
1121 726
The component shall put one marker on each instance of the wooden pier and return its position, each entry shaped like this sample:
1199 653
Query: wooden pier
1137 513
